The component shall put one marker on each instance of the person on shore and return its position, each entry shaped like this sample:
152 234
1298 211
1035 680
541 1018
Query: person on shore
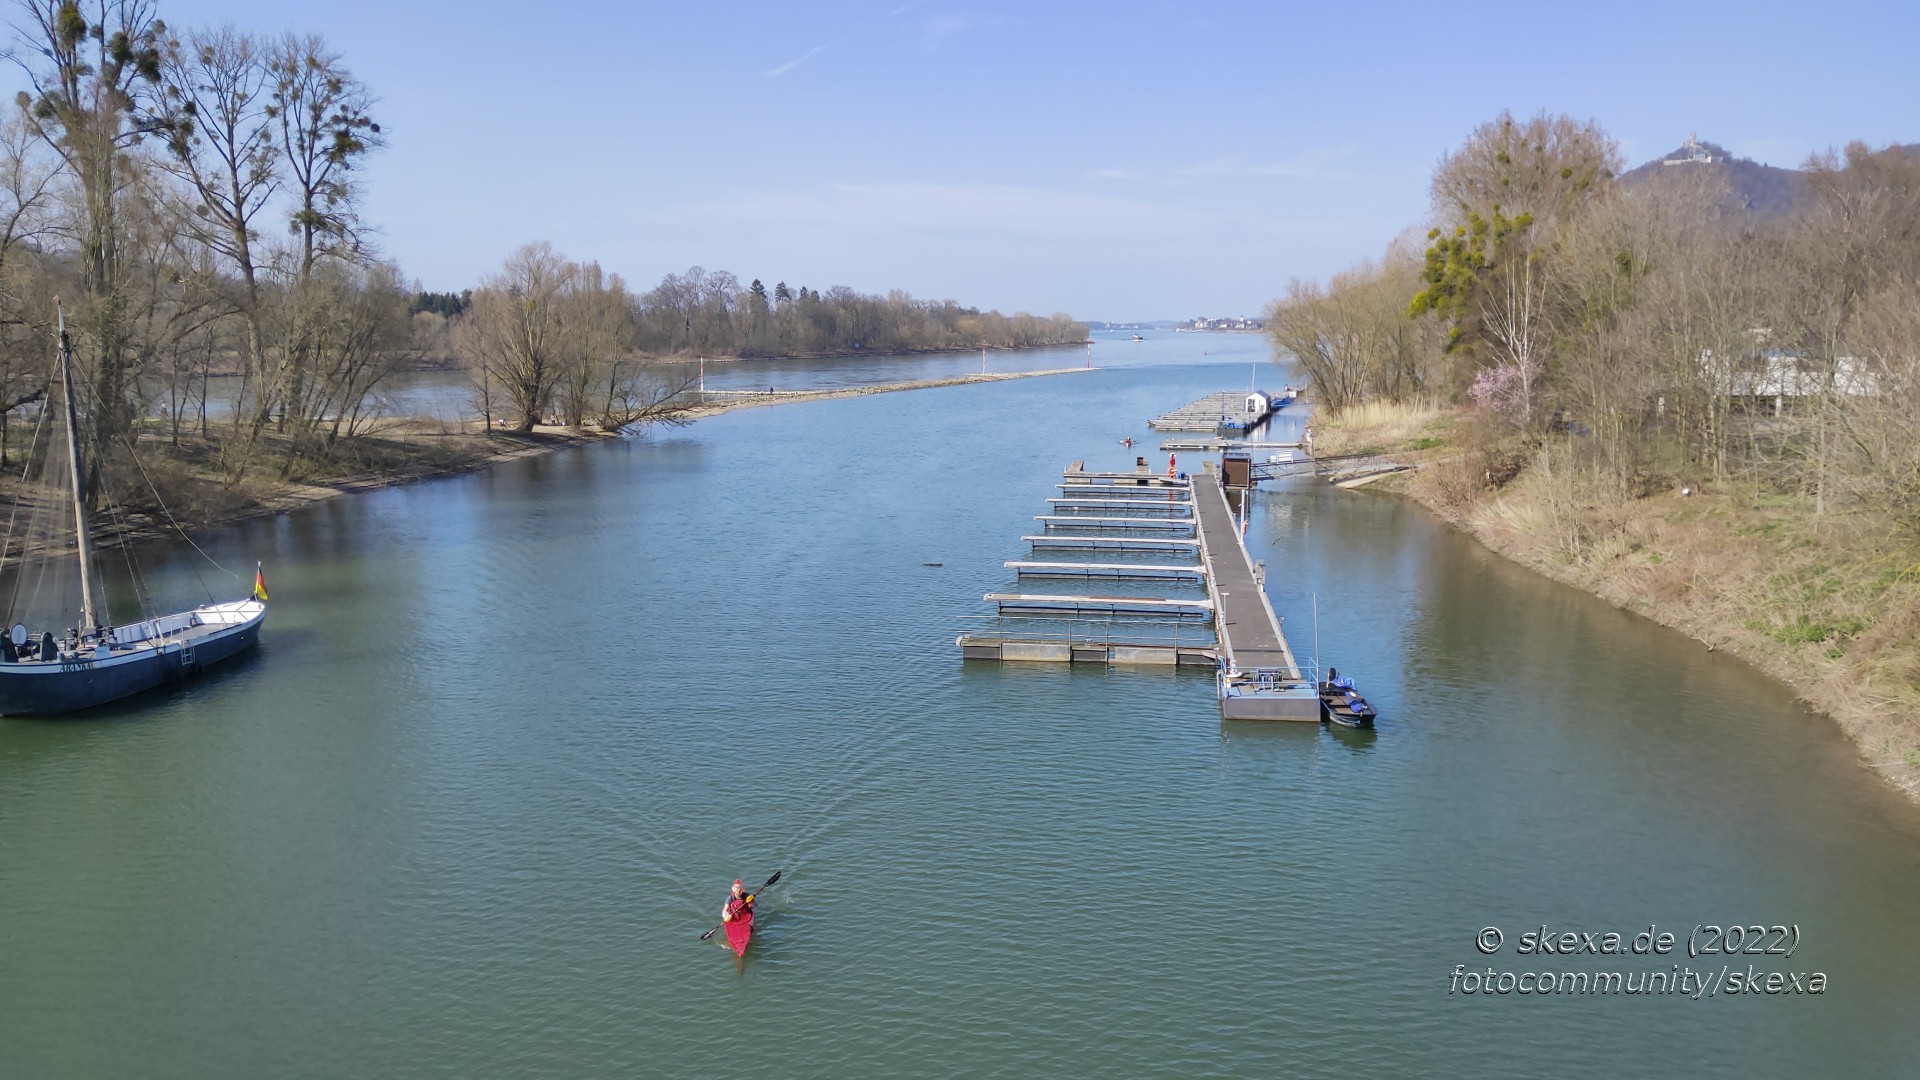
738 903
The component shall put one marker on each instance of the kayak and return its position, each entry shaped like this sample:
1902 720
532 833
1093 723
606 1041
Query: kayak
740 933
740 930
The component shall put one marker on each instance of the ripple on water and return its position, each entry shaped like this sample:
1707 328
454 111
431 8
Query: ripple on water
510 735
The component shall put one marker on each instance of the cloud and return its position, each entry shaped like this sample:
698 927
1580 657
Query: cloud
936 31
796 62
1309 164
955 210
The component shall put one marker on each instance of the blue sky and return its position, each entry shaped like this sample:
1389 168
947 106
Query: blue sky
1110 160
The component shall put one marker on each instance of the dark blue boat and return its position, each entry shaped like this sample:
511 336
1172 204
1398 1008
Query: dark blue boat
1341 704
96 663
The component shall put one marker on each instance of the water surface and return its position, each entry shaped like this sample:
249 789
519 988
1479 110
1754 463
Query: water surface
509 736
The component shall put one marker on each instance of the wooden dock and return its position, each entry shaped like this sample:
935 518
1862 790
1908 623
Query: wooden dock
1136 478
1113 571
1259 679
1066 542
1127 524
1171 491
1211 413
1255 673
1149 606
1162 507
1214 446
1085 642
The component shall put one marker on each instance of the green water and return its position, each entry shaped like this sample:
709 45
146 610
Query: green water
509 736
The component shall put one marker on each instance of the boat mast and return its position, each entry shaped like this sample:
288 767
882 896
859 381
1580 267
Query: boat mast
87 622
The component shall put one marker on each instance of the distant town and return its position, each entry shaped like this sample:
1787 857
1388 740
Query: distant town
1198 325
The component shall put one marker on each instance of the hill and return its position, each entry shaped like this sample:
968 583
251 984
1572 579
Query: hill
1764 189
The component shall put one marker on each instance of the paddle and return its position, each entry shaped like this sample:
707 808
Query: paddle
750 896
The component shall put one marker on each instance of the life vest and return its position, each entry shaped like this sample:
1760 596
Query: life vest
739 905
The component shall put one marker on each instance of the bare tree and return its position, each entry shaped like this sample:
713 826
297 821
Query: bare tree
1859 237
1354 338
27 177
325 132
359 333
516 326
1875 409
89 105
599 333
220 143
1500 203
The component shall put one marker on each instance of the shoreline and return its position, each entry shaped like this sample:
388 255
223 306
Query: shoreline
547 439
752 399
1715 565
469 450
451 363
683 358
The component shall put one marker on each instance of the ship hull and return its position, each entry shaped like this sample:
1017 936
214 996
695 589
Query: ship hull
42 688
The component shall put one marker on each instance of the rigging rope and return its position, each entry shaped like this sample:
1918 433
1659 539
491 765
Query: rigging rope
142 598
134 456
26 472
141 595
162 503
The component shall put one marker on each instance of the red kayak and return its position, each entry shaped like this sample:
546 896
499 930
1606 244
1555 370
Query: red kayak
740 933
740 929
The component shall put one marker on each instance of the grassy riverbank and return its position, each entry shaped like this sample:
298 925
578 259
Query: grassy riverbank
1828 604
201 489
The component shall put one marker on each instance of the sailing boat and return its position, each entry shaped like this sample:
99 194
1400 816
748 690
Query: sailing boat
94 662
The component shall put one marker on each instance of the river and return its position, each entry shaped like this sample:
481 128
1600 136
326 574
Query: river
508 736
448 396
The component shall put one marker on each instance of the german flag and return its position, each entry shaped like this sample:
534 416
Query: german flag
259 583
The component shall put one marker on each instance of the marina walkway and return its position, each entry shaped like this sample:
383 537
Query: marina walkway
1256 675
1259 677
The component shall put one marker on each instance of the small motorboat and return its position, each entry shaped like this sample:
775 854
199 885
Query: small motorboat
1341 704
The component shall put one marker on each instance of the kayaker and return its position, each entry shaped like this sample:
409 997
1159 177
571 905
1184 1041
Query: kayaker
738 904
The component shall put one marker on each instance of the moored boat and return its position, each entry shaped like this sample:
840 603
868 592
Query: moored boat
95 661
56 676
1347 710
1341 704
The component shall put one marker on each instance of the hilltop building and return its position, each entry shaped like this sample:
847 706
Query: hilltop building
1694 152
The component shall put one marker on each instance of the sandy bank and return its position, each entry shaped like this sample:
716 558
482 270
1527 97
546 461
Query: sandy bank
403 451
471 450
728 401
1820 602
